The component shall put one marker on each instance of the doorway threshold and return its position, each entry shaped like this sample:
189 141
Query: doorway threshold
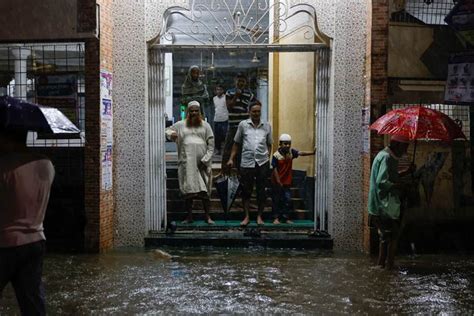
201 234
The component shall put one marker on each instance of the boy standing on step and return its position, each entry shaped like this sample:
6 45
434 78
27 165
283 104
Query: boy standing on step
282 163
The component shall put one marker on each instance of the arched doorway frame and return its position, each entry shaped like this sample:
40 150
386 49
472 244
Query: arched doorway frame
236 38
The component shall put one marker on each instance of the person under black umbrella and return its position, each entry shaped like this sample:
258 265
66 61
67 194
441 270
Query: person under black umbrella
25 183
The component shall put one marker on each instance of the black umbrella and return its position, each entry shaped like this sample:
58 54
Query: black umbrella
16 114
227 188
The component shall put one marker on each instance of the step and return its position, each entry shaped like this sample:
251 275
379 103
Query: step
238 239
227 225
236 215
175 194
216 204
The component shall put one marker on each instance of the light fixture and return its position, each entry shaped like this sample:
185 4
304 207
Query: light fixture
212 67
255 58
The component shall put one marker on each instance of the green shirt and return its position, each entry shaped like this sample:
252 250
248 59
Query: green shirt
384 199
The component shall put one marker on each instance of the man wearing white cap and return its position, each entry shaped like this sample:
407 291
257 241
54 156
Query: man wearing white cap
384 197
195 142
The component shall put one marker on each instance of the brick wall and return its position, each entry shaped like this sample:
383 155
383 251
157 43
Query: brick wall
106 63
376 94
99 204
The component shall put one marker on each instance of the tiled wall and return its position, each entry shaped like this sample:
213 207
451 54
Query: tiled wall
344 21
129 121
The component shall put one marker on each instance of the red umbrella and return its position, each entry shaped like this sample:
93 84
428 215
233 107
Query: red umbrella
417 122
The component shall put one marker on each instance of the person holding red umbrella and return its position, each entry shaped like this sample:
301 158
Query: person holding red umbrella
384 197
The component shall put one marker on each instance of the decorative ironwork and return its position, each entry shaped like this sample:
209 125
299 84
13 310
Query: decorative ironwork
223 22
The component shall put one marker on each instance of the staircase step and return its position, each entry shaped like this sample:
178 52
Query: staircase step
175 194
173 205
236 214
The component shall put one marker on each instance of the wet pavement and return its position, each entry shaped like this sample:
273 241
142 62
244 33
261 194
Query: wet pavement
249 281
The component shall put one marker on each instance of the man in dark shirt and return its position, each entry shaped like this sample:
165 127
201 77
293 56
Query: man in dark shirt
238 100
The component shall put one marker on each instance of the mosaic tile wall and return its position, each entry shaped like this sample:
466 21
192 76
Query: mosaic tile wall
129 121
347 101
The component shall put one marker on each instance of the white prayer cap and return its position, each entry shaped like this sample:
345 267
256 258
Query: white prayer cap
285 138
194 103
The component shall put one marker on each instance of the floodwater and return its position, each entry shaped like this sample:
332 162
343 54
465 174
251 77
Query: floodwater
252 281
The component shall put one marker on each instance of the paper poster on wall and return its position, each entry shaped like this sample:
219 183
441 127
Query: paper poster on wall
105 84
460 81
106 129
106 162
106 122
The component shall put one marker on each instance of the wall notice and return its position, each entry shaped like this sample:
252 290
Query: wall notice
460 81
106 131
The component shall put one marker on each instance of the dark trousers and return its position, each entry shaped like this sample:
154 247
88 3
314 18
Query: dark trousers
257 175
220 132
281 199
229 142
23 267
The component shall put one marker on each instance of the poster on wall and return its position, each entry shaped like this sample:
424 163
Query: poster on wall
106 164
106 129
460 80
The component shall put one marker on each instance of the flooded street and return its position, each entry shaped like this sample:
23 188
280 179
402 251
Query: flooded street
248 281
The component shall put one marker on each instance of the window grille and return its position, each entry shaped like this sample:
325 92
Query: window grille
50 74
459 113
429 12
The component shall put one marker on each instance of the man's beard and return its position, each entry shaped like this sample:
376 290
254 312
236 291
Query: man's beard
194 121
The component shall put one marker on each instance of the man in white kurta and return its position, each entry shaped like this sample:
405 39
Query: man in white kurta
195 142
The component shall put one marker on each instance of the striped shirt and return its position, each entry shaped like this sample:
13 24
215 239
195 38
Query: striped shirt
239 111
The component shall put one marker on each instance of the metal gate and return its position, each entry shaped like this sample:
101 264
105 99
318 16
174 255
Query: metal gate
321 201
239 26
155 150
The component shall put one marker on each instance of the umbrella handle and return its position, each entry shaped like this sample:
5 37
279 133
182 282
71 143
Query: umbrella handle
414 152
413 162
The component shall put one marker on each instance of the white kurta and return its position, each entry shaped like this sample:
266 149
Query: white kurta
195 149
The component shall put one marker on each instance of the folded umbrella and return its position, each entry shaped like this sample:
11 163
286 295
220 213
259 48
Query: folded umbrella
227 188
17 114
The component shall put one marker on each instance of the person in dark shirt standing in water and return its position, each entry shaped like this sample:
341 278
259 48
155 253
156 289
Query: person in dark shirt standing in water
238 100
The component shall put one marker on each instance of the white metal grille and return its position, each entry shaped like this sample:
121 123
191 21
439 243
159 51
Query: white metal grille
155 160
321 205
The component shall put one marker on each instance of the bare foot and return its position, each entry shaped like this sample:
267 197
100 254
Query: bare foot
276 221
245 222
289 221
260 220
187 220
209 221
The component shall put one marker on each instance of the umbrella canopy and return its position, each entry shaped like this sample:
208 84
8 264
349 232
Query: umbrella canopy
418 122
19 114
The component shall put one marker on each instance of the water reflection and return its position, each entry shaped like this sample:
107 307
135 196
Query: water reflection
200 281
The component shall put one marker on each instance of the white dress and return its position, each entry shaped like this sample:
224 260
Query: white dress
195 149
